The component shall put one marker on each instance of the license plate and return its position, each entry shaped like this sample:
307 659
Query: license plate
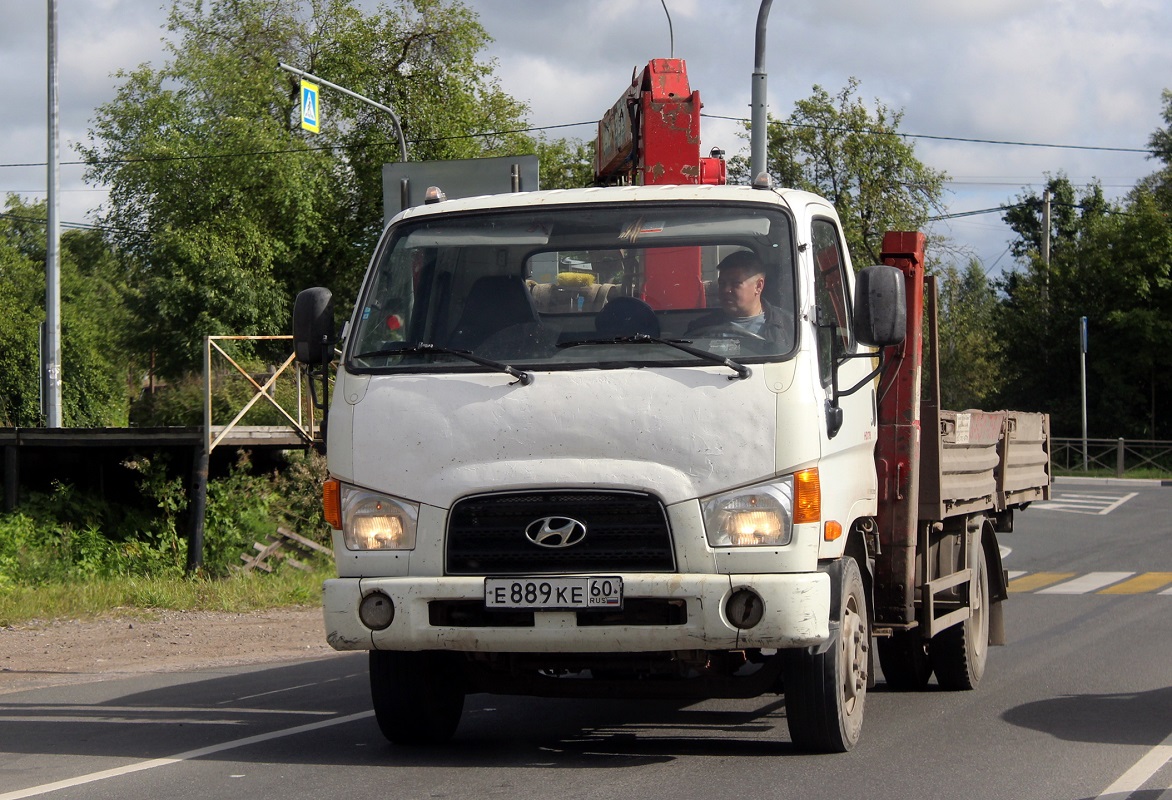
554 594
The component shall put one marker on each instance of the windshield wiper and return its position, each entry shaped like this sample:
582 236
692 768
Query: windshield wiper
742 372
427 348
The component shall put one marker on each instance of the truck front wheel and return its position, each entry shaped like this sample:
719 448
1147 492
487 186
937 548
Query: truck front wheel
825 692
418 697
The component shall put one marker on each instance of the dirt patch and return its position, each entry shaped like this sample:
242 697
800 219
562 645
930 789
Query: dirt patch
65 652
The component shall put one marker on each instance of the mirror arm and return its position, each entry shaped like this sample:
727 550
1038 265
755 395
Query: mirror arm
321 370
870 375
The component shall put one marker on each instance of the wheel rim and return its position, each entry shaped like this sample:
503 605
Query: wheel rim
854 656
980 618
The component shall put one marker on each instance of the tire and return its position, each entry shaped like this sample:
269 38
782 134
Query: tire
825 693
418 697
904 659
959 653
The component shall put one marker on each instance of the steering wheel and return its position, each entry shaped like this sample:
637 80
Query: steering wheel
727 330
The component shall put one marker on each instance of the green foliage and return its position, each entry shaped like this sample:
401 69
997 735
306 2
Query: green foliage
853 156
224 207
94 359
970 363
181 400
566 163
87 597
1111 263
71 536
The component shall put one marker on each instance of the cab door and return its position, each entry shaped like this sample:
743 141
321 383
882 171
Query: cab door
846 468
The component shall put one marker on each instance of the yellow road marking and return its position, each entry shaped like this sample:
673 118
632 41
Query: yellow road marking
1038 580
1146 582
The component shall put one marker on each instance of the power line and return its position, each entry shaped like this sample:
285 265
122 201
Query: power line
296 150
81 226
964 139
534 129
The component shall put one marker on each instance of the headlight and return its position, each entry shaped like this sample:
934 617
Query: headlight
377 522
758 516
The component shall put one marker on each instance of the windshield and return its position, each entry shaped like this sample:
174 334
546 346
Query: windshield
580 287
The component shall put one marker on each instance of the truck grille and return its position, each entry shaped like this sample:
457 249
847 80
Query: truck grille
625 532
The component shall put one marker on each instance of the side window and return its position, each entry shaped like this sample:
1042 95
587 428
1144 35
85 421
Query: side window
830 295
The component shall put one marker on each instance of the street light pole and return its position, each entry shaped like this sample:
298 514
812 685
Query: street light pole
394 117
758 119
51 345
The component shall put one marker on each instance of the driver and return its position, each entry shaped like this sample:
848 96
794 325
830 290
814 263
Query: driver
740 281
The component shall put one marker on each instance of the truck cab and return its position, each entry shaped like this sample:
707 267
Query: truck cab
561 464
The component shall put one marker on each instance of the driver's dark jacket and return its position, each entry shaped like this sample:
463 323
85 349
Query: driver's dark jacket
777 330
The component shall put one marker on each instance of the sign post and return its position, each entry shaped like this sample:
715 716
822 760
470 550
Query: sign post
1082 363
317 107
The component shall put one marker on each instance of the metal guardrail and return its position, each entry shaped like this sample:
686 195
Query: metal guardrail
215 435
1118 455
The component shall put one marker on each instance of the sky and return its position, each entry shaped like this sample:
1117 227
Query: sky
1085 74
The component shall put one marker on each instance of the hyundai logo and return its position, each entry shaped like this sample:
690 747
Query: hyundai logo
555 532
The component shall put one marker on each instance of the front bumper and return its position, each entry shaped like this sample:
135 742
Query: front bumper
797 611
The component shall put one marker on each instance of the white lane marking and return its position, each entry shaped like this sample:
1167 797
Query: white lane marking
1096 505
1140 772
116 772
1086 583
1167 591
1014 574
1118 503
125 720
4 707
291 688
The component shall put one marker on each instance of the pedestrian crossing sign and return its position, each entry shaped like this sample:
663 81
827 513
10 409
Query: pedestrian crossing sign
310 107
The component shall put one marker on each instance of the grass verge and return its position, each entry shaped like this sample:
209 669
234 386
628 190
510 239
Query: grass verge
87 599
1144 473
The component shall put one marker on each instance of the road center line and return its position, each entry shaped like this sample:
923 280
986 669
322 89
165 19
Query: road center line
34 791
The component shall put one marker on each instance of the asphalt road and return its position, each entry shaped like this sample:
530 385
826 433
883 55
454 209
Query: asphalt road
1078 705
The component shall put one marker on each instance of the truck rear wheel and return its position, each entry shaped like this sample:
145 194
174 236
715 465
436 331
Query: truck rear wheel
959 653
904 659
825 692
418 697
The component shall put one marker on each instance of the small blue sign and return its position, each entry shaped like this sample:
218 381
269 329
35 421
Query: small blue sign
310 108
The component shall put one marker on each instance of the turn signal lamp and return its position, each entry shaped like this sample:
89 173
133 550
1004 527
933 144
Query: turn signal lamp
332 503
807 496
833 531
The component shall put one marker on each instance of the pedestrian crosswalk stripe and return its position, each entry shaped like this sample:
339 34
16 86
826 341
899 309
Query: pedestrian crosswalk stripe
1031 583
1145 582
1087 583
1114 583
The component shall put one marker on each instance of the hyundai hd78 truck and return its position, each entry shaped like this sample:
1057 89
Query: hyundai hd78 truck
560 467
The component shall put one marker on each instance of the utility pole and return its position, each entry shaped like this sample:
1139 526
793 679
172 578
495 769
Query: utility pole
1046 246
51 349
759 117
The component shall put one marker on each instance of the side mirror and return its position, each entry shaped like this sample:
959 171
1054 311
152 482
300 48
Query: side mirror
880 307
313 326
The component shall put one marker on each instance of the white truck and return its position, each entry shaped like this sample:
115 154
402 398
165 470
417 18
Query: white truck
557 471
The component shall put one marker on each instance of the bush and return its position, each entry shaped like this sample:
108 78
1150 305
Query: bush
67 535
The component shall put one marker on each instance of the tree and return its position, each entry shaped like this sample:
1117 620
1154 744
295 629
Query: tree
970 355
854 157
93 323
1110 263
566 163
224 208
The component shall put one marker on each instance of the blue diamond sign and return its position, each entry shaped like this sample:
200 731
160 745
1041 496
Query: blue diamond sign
310 107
